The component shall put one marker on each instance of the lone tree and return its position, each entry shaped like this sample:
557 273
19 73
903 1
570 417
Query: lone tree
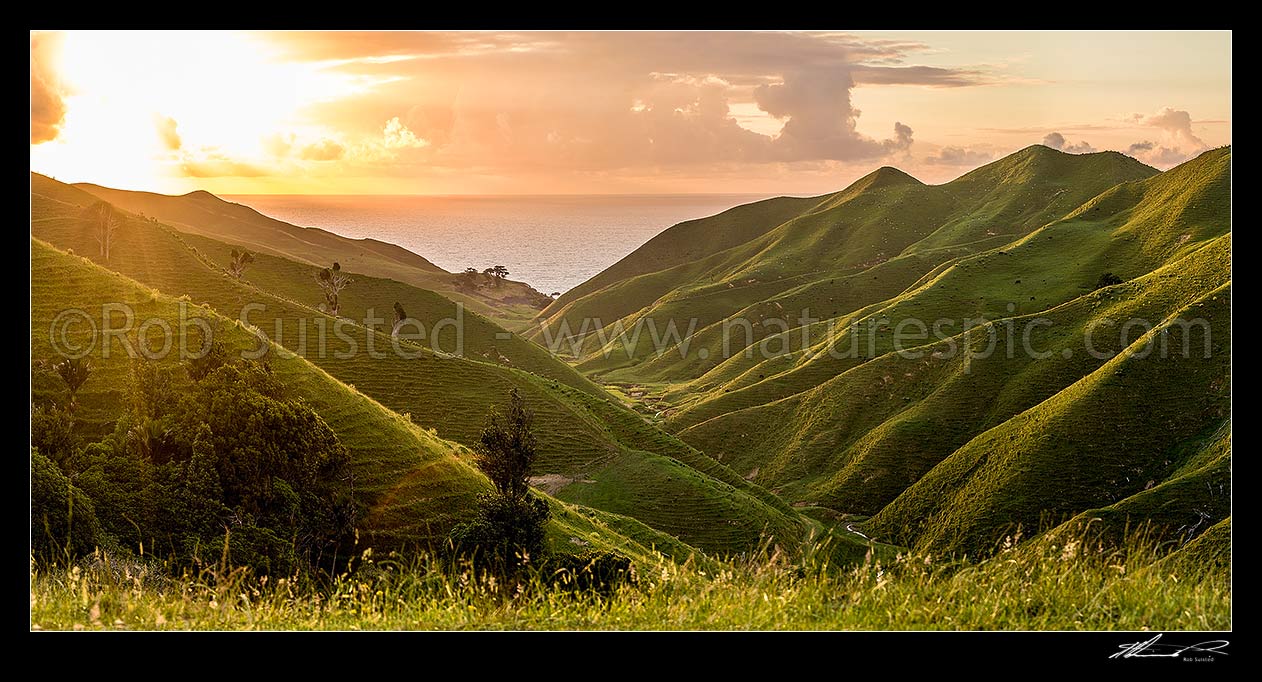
499 272
399 316
74 371
332 281
240 259
508 532
105 222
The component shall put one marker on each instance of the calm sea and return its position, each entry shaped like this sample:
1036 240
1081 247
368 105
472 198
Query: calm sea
552 242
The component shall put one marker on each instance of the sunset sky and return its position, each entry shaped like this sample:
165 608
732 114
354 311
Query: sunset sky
604 113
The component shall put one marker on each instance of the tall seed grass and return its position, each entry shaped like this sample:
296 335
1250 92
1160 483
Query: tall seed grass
1030 586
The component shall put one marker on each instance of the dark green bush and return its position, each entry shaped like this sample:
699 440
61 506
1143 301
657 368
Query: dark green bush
63 520
231 454
52 433
507 533
1108 279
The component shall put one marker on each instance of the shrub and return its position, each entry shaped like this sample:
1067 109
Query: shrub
1108 279
52 433
63 520
507 533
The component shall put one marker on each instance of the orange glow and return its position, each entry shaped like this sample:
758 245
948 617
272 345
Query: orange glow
651 112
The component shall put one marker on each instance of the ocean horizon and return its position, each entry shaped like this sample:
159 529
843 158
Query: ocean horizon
552 242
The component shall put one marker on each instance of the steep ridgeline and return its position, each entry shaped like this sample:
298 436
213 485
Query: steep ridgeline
840 252
205 214
947 445
411 485
593 450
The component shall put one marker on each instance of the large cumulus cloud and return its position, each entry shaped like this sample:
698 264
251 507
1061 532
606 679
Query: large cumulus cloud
601 101
1176 141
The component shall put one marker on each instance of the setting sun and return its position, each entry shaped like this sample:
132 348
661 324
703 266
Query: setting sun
147 109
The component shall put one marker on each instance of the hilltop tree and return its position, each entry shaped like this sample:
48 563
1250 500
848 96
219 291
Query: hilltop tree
74 371
508 531
497 272
240 259
332 281
105 221
468 279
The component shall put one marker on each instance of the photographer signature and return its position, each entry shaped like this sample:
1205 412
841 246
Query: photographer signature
1153 648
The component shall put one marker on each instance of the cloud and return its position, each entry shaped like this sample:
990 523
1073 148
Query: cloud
1140 148
216 165
959 156
902 138
397 136
48 106
1058 141
1177 125
1178 142
324 150
1157 155
920 75
167 131
819 119
279 145
614 100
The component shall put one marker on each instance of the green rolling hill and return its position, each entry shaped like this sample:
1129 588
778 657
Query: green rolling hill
788 426
205 214
593 450
812 261
945 450
412 484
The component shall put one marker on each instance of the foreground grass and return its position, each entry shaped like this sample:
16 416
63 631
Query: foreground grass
1048 587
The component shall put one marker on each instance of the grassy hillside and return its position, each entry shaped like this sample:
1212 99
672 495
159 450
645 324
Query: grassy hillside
916 410
583 432
413 485
205 214
1129 230
846 250
1112 435
948 449
691 240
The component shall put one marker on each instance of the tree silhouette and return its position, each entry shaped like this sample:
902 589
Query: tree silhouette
332 281
74 371
399 316
497 272
240 259
506 450
105 222
509 530
468 279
